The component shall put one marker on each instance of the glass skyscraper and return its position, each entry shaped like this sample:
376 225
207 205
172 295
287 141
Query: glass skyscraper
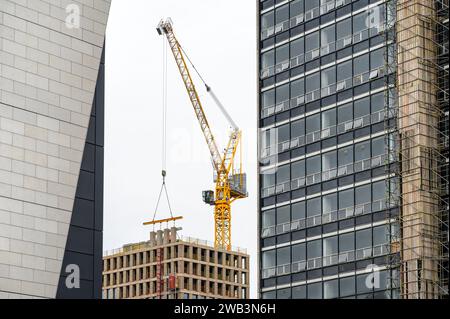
336 173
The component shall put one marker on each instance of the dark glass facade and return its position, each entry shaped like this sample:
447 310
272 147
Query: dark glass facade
84 240
324 219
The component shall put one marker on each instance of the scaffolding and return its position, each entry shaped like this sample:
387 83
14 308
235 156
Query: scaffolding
416 95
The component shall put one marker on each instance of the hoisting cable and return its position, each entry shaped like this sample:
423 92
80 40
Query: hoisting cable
164 136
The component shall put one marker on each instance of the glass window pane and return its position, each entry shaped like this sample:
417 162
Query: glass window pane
379 190
378 146
330 289
329 161
311 4
328 118
330 246
282 14
329 203
345 155
268 179
327 36
298 128
284 293
296 7
268 98
364 238
346 286
346 199
299 292
282 54
267 59
283 133
376 59
269 295
362 107
362 151
312 41
380 235
363 195
283 214
298 169
267 20
344 71
282 93
298 211
313 165
359 22
312 82
344 28
346 242
345 113
268 218
283 174
268 259
297 47
313 123
313 207
361 284
283 256
297 88
328 77
298 252
315 291
361 64
314 249
377 102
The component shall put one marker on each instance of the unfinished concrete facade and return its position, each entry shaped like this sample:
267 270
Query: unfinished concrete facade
168 267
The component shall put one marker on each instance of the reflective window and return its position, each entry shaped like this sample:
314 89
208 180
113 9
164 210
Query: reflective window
379 190
282 54
311 4
347 286
282 93
299 292
268 98
346 199
363 194
297 88
283 133
315 290
380 235
314 249
269 295
267 59
328 78
313 123
268 218
359 22
298 252
283 214
298 169
284 256
284 293
282 14
377 102
297 48
346 242
329 203
345 155
345 113
298 128
361 64
268 179
330 289
376 58
327 36
362 107
313 207
268 259
298 211
313 165
364 238
312 41
362 151
344 28
328 118
330 246
344 72
312 82
329 160
296 8
361 283
283 174
267 20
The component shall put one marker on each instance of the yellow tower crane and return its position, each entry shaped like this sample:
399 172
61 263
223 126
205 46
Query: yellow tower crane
229 179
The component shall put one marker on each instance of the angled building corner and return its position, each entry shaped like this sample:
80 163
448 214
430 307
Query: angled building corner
51 148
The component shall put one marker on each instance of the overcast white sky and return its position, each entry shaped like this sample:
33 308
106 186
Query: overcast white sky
220 37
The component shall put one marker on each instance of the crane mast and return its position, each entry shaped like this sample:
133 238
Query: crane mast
230 183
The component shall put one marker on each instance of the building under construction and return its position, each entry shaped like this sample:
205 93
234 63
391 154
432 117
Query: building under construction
169 267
